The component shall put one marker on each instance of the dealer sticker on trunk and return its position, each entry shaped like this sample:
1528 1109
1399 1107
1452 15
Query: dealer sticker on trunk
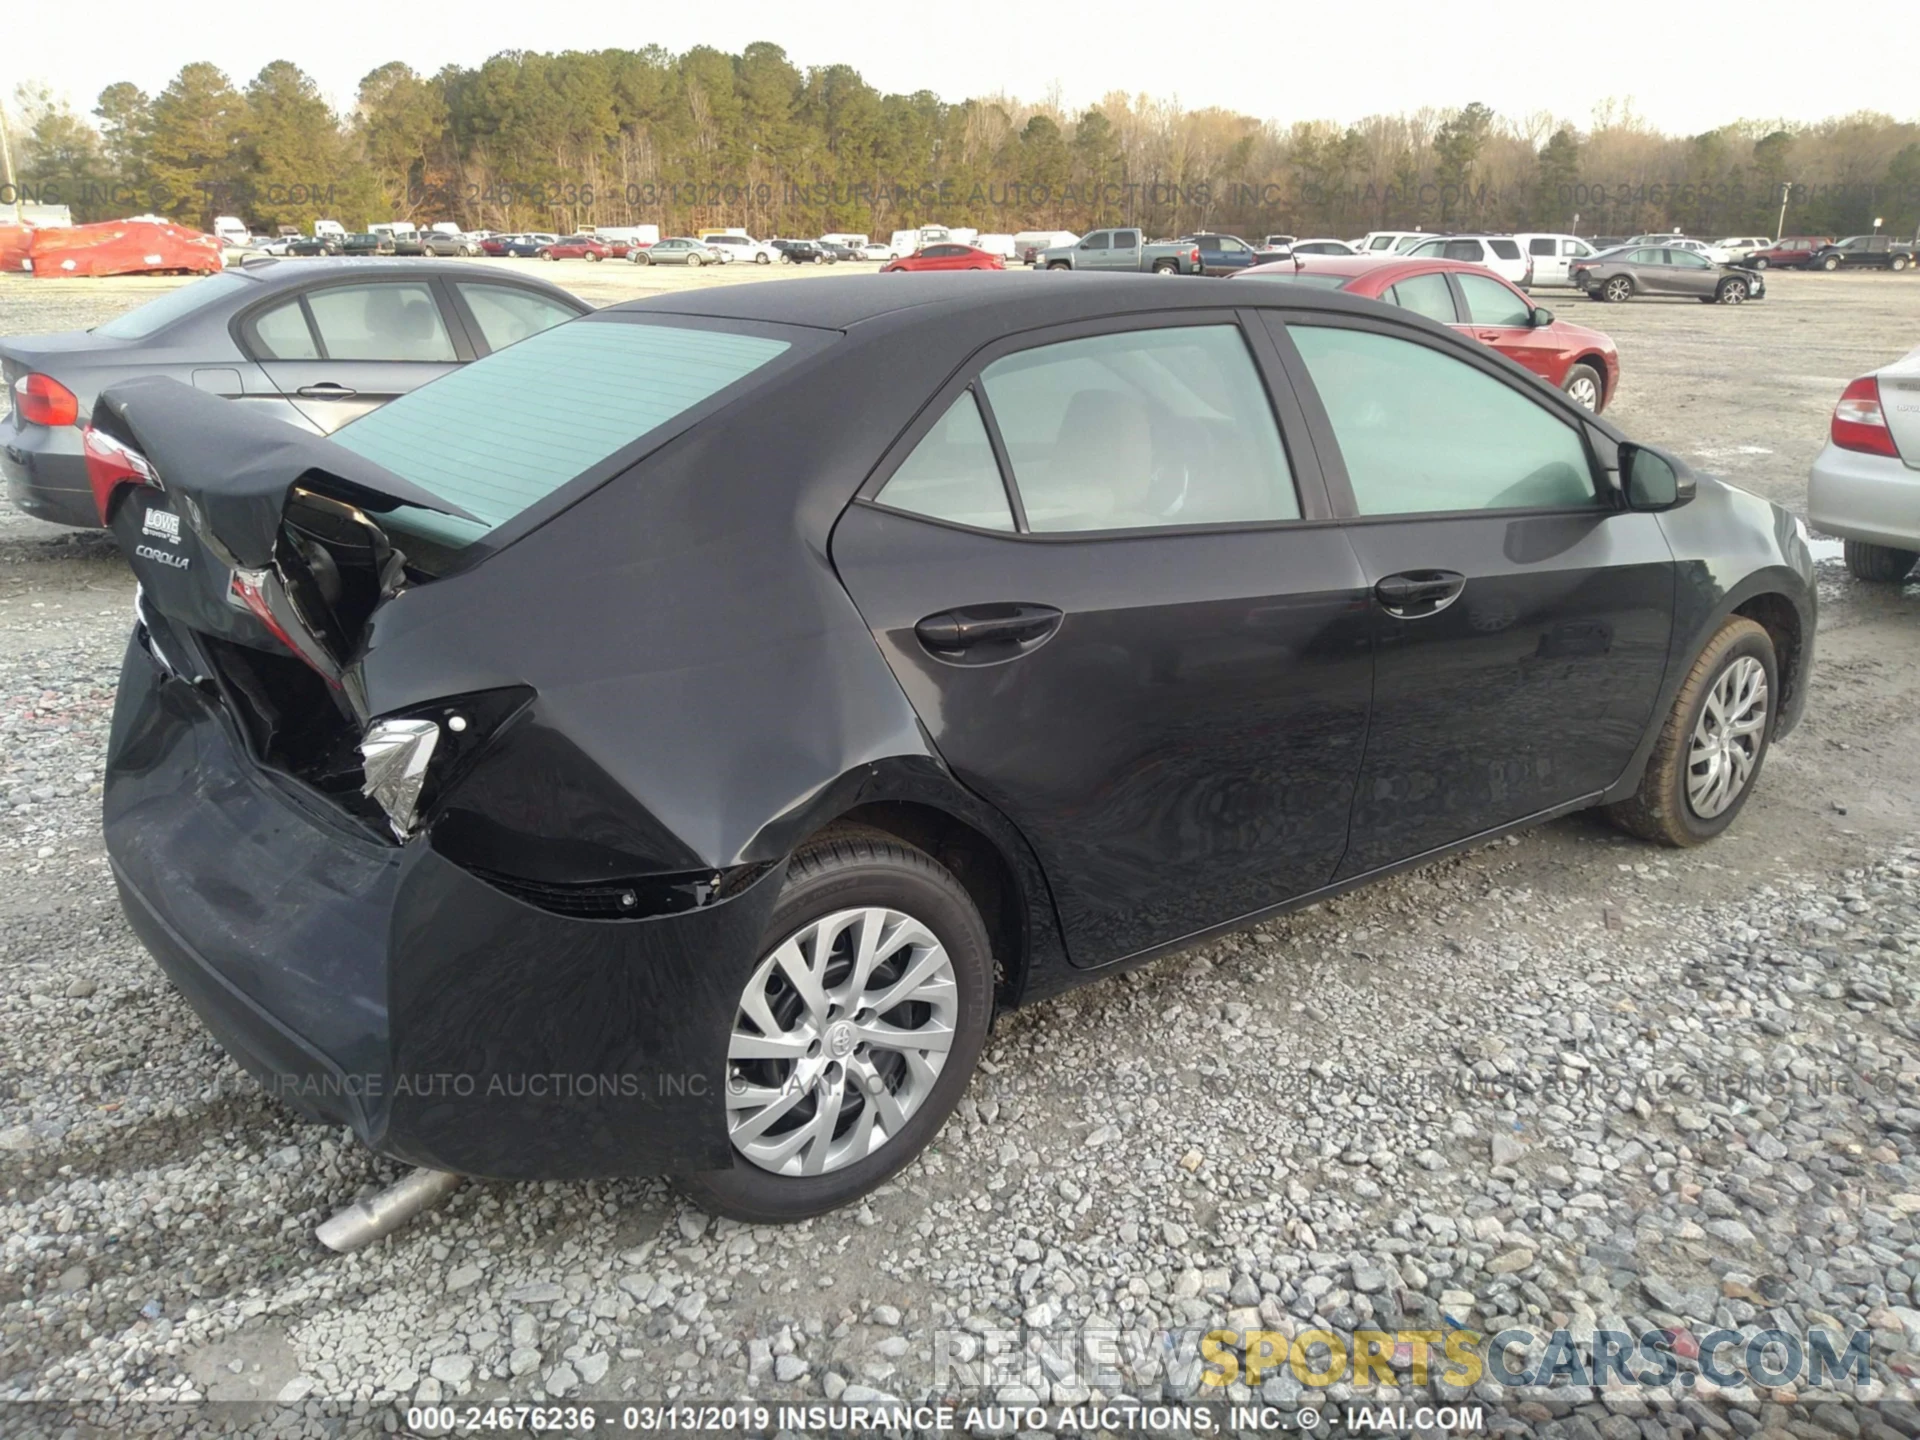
163 524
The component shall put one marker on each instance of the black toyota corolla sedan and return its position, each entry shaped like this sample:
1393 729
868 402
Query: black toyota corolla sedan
662 746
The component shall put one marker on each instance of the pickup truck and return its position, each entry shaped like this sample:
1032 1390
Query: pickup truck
1879 252
1123 250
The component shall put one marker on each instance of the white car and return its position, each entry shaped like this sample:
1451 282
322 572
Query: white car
1498 253
1680 242
1741 246
1321 245
1391 242
1865 485
744 247
874 250
1552 254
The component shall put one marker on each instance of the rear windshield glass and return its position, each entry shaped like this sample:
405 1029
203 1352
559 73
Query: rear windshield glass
1299 277
139 323
507 431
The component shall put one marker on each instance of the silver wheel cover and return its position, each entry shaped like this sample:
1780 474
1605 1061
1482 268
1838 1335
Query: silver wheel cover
841 1034
1727 738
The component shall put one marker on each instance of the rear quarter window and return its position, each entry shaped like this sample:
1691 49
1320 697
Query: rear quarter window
1505 249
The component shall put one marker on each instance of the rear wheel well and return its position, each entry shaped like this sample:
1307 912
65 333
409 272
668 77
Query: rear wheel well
974 860
1775 614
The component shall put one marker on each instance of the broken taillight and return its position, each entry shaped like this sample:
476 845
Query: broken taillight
250 588
111 465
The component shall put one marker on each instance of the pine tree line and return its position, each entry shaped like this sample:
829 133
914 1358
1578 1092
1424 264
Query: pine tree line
530 140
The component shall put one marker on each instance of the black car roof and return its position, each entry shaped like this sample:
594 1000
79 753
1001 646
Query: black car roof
1018 299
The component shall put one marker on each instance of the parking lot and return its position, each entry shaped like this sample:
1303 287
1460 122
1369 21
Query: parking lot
1564 1078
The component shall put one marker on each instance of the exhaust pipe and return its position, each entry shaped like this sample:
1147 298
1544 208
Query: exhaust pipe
367 1220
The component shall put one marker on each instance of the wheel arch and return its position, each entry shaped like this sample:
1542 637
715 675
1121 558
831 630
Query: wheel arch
916 799
1766 597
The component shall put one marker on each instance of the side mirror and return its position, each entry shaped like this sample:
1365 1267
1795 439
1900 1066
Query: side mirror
1653 481
1542 317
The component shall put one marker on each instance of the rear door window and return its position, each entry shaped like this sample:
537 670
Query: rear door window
1426 295
1540 245
1505 249
1147 428
507 315
1423 431
951 474
391 321
282 333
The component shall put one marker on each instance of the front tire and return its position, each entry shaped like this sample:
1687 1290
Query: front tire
873 947
1832 262
1759 262
1880 563
1897 264
1584 387
1712 744
1732 292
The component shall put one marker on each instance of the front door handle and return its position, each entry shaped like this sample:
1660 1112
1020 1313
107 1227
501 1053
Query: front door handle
980 634
328 390
1414 594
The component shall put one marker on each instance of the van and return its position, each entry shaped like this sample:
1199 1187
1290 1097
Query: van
1001 245
1029 243
852 239
323 228
230 229
735 231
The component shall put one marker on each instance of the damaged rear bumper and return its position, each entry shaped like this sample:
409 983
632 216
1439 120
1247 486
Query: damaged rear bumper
383 987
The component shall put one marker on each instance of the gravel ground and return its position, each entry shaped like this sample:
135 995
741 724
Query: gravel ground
1563 1079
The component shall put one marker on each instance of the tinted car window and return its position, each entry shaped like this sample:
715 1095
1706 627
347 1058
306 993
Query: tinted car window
1149 428
380 322
506 431
1426 295
507 316
1540 245
1462 250
282 333
1423 431
1099 240
951 474
1125 239
1491 303
1505 249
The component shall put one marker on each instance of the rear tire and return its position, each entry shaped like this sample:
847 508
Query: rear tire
1617 291
854 871
1668 808
1165 267
1880 563
1759 262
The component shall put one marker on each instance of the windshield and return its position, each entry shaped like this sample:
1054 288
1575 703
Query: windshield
505 432
139 323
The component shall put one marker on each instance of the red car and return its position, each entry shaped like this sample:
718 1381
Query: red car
946 257
1476 302
576 247
1792 251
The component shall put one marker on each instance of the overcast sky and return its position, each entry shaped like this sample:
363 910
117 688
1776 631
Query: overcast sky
1697 67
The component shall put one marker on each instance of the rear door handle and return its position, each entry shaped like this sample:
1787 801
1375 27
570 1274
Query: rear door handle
328 390
1413 594
985 633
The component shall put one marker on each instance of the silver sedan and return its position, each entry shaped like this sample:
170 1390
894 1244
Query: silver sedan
677 251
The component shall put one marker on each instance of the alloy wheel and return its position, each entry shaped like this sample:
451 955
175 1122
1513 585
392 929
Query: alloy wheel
1727 738
1584 393
841 1034
1619 289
